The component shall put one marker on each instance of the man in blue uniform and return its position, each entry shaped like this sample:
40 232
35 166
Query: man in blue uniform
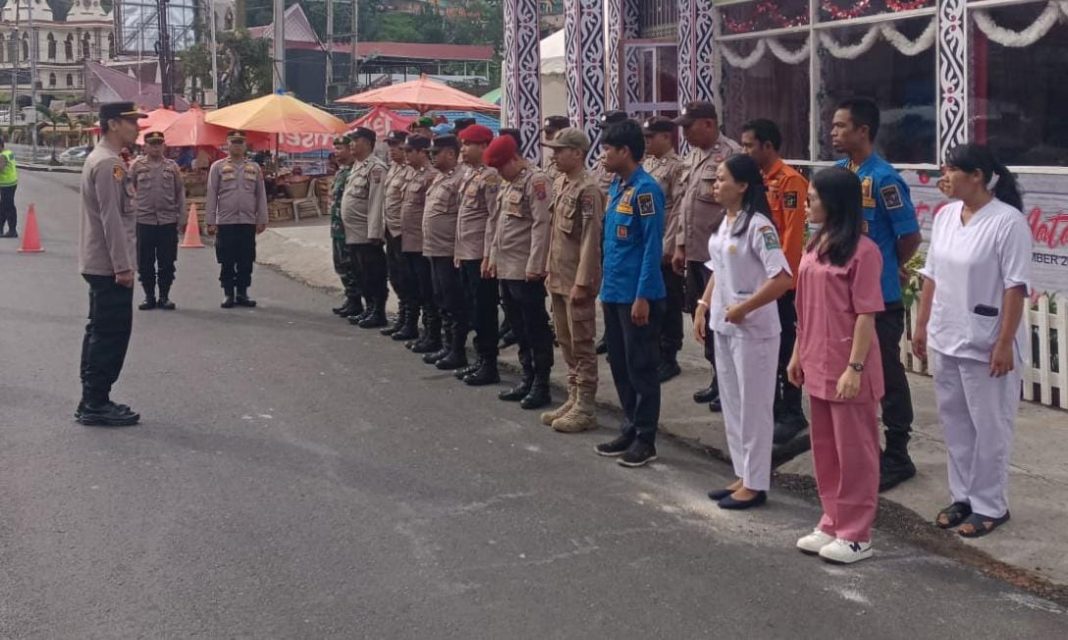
633 292
890 222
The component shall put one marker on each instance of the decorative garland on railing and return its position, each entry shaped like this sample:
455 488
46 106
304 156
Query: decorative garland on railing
1055 11
838 12
769 10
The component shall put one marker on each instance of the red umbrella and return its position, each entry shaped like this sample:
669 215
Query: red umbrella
381 120
422 95
191 130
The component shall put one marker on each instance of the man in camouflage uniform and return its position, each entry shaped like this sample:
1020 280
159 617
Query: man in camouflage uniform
518 257
667 168
575 278
353 297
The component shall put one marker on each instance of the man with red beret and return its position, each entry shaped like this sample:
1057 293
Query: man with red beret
518 253
478 203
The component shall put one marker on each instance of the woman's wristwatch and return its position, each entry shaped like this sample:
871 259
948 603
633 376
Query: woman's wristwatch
857 366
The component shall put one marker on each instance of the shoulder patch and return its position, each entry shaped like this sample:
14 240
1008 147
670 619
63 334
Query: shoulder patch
118 172
790 199
646 206
376 175
586 203
541 190
892 197
771 239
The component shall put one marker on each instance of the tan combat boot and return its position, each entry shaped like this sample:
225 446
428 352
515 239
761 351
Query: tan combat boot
549 417
581 417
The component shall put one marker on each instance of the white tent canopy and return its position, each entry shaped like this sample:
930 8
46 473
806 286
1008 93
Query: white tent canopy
554 53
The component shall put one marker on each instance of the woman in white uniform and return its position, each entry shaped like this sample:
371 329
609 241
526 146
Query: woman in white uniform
749 273
976 281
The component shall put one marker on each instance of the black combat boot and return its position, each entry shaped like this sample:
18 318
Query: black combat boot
486 374
463 372
669 366
446 344
398 322
895 466
242 299
376 317
431 340
150 297
105 414
352 307
790 419
410 329
165 298
228 300
539 395
520 391
457 357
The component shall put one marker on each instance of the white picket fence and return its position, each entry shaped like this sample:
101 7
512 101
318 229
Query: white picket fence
1045 374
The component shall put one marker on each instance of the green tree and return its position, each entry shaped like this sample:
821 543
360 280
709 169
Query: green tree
52 119
244 66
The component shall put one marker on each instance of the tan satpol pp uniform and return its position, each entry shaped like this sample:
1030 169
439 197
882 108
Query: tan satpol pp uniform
575 259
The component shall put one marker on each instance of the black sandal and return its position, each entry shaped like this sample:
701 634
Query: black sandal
955 514
981 525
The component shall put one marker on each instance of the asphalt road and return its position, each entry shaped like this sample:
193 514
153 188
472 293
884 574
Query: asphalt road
294 477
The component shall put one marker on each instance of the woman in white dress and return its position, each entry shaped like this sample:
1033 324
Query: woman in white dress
976 283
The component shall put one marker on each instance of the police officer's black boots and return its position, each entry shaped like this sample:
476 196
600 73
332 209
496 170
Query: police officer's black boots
410 329
520 391
359 311
463 372
431 340
790 419
228 300
242 299
376 317
353 307
895 466
150 297
398 322
457 356
165 298
446 343
485 374
539 395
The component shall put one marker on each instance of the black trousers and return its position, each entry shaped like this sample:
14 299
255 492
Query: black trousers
419 267
481 296
671 337
524 305
157 249
897 403
370 261
107 337
787 396
634 356
400 275
8 213
235 250
697 276
449 294
343 269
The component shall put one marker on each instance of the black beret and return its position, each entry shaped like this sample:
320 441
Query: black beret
417 142
445 142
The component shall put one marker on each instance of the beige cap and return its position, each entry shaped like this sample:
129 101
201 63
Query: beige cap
570 138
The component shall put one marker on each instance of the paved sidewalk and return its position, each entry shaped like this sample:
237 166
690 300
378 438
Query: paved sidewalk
1033 544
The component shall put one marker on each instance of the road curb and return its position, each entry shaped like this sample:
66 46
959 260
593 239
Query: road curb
48 168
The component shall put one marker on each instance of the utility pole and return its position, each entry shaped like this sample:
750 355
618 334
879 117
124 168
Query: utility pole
166 60
14 69
214 54
329 48
33 79
355 42
279 45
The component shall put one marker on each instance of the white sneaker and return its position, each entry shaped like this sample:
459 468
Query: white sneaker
845 551
813 542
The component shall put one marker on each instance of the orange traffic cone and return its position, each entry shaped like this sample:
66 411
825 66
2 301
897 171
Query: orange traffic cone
192 231
31 235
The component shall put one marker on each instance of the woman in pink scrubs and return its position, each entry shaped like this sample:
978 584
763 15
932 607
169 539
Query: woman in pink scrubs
836 357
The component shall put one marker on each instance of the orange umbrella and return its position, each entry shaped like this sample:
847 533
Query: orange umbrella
422 95
381 120
157 120
190 130
276 113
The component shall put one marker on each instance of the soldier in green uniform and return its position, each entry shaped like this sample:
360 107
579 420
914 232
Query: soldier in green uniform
353 303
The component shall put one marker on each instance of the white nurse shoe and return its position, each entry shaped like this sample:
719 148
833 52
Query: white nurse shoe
845 551
813 542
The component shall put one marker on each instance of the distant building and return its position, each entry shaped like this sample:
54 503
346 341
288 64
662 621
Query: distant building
552 16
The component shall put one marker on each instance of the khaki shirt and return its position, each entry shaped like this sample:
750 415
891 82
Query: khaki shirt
362 203
107 237
441 212
521 228
236 194
700 211
575 244
669 171
416 183
478 203
160 191
394 193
